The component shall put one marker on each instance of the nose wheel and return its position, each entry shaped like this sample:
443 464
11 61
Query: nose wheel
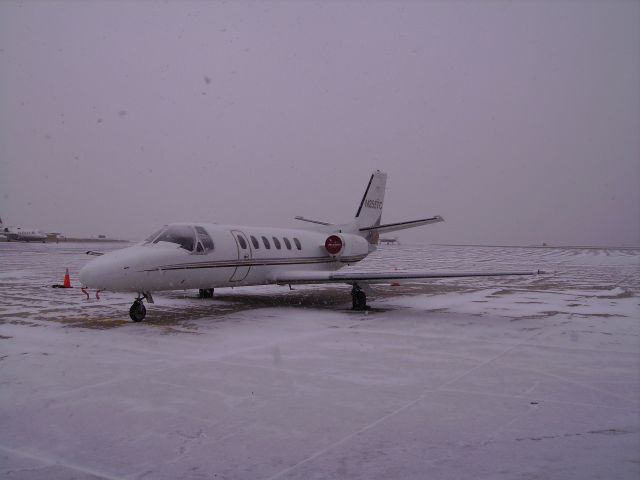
138 311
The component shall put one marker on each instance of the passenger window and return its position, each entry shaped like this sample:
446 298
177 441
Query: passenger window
287 243
241 241
254 240
266 243
199 248
297 242
276 242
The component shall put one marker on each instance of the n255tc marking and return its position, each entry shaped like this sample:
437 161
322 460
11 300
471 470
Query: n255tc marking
206 256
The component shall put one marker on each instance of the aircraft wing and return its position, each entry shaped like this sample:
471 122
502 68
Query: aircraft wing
288 278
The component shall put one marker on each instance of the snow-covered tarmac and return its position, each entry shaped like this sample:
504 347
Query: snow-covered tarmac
533 377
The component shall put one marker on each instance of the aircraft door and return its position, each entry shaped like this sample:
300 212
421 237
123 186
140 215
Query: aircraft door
245 254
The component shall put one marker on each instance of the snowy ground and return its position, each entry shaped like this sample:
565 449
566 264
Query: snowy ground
457 379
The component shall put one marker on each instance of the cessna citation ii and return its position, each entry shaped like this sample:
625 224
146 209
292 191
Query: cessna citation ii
206 256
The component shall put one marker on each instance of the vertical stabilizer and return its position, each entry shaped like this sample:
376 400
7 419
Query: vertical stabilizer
369 212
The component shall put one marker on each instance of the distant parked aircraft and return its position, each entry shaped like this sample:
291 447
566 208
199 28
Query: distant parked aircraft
206 256
389 240
20 234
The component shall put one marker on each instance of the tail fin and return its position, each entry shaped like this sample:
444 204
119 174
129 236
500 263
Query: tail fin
369 213
367 222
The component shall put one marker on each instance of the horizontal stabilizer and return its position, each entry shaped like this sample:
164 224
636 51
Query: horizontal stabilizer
302 219
392 227
383 277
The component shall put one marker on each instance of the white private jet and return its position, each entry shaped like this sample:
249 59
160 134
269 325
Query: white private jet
20 234
206 256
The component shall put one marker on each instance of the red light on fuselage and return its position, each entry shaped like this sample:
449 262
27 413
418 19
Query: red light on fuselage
333 244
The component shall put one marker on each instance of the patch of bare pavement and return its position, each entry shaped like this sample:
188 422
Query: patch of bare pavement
530 377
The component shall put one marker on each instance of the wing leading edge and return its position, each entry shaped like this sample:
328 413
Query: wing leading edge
382 277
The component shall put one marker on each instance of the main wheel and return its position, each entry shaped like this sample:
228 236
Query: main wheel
205 293
137 312
359 299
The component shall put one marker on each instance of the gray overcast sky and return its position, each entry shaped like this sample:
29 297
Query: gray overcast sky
517 121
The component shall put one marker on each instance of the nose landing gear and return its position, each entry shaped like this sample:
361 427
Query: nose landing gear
138 311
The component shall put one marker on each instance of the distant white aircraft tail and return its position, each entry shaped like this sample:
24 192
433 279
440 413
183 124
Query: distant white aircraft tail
367 221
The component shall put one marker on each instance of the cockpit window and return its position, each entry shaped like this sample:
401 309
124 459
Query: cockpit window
204 237
183 235
154 235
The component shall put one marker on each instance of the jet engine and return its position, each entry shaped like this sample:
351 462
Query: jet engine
339 245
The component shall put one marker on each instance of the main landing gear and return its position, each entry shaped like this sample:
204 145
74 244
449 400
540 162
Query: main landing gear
205 293
359 298
137 312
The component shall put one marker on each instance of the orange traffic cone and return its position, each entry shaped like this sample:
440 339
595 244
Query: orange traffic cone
67 280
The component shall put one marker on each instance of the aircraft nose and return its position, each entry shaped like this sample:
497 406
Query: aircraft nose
114 271
88 275
100 273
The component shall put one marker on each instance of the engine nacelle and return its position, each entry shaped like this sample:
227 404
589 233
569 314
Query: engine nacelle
346 245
